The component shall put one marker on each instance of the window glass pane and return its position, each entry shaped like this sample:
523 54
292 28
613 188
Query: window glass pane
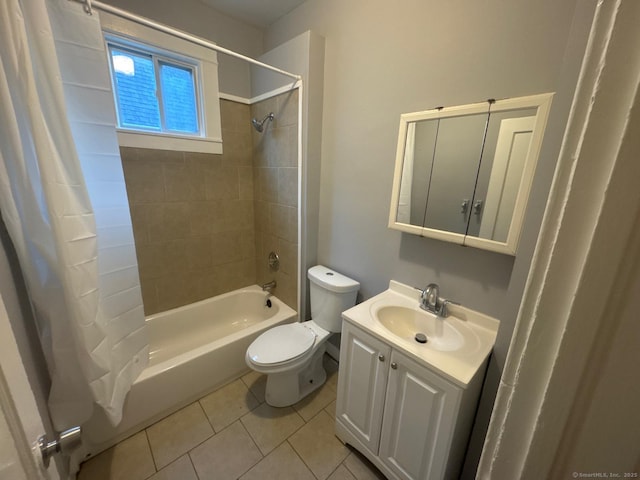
178 98
136 90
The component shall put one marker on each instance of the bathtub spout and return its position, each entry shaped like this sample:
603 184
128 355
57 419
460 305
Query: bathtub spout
267 287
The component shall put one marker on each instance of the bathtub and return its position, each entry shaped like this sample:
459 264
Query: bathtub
193 350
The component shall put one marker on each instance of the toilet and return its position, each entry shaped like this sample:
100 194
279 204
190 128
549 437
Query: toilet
291 355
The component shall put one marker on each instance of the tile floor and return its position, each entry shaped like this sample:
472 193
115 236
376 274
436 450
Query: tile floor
233 434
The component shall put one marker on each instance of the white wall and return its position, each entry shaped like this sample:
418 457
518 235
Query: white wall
199 19
386 58
383 59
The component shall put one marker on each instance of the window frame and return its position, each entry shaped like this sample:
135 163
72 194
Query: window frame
139 38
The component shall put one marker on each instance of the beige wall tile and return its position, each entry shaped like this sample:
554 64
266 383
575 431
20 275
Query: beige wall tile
287 108
168 221
144 179
235 116
182 201
183 182
222 183
245 182
288 186
199 253
238 150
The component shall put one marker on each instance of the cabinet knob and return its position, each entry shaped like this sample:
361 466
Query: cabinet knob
381 357
394 365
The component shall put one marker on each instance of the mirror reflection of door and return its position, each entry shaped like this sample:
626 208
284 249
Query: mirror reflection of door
454 172
508 140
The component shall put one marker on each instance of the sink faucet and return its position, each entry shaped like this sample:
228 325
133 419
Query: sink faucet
429 298
431 301
267 287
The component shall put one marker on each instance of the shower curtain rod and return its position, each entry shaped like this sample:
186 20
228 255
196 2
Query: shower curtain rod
89 4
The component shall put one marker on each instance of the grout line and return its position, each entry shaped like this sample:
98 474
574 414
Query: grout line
153 458
255 444
206 416
193 464
300 457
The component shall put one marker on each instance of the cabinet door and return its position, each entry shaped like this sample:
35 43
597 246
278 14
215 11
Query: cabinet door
419 418
362 381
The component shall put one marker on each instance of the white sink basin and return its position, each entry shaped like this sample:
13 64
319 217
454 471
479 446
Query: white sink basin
407 322
456 346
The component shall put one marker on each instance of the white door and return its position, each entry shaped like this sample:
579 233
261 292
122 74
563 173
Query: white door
512 147
20 421
419 419
362 382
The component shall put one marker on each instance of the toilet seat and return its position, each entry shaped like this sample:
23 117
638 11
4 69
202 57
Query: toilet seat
281 344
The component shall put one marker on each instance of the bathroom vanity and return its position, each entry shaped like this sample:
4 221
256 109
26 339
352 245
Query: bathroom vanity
409 406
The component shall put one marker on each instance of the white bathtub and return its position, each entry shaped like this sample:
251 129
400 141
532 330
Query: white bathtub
194 350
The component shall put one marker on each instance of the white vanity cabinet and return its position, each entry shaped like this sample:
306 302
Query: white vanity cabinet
409 421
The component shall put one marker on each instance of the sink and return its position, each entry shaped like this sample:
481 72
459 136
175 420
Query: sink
406 322
456 347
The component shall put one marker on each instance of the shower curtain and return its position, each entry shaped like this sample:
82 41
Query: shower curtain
404 200
73 237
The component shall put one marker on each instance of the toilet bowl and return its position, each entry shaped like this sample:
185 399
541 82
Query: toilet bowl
291 355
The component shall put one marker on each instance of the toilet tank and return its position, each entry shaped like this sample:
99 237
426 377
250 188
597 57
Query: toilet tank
331 294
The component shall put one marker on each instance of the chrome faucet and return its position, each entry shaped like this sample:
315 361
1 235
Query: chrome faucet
267 287
431 301
429 298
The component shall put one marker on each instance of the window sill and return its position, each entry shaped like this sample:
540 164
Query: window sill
169 142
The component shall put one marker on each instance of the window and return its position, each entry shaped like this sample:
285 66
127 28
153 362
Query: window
154 93
165 89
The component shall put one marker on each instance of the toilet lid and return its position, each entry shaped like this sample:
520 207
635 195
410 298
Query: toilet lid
281 343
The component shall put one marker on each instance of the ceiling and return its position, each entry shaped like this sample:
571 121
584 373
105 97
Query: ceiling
260 13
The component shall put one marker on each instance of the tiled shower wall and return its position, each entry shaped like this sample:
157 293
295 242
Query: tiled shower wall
275 161
193 214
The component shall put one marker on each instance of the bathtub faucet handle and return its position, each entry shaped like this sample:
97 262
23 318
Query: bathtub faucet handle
267 287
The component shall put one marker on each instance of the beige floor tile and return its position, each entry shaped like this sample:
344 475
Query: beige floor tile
318 446
256 382
310 405
331 367
270 426
181 469
227 455
282 464
129 460
361 468
331 409
228 404
341 473
175 435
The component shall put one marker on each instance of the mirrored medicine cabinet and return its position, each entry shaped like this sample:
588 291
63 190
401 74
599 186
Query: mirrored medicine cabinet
463 174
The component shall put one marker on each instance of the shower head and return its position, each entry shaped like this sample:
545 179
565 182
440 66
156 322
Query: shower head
259 126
